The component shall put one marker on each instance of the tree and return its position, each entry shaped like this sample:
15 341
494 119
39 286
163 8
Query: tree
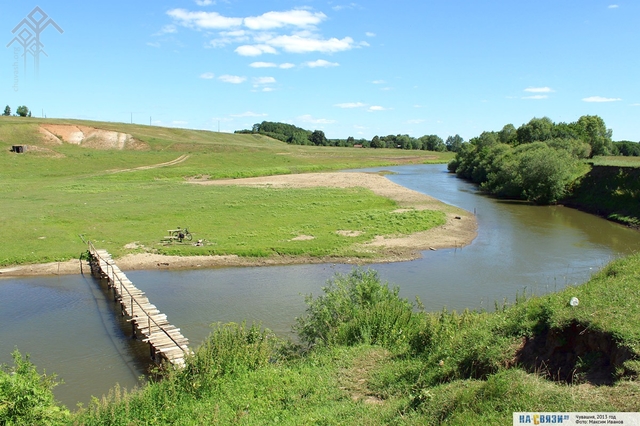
22 111
546 173
454 143
508 134
536 130
594 132
318 138
7 111
433 143
376 142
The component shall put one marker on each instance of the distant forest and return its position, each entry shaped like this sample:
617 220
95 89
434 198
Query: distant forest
298 136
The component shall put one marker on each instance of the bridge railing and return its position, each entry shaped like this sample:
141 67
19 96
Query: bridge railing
114 277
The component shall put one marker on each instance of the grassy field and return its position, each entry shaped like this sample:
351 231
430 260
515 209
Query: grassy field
368 357
54 193
616 161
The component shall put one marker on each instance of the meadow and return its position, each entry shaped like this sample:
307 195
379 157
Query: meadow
53 194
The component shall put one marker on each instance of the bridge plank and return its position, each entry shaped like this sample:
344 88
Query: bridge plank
145 317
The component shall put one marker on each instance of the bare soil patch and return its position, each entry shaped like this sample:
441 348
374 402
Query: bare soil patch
575 354
345 233
355 379
89 137
303 238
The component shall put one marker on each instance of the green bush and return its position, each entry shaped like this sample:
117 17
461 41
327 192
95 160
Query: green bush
230 349
357 308
26 397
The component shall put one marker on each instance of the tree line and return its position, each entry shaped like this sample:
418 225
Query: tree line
21 111
297 136
537 161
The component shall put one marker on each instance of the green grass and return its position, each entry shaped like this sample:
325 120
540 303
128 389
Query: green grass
617 161
54 193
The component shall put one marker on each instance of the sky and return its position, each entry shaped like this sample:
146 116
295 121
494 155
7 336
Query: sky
358 69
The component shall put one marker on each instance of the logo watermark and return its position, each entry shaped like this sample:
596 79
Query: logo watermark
27 34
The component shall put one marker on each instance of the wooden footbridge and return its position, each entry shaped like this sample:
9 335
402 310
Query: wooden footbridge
165 340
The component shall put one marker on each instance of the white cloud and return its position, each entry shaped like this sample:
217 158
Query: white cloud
613 6
263 65
257 35
167 29
370 34
248 114
535 97
600 99
321 63
204 2
339 7
378 82
415 121
264 80
296 18
206 20
539 90
236 34
309 119
287 66
207 75
351 105
635 104
305 44
254 50
235 79
377 108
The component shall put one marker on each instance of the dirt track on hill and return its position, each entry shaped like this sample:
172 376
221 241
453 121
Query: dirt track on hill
459 230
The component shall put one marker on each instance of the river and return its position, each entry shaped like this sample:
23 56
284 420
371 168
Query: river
67 323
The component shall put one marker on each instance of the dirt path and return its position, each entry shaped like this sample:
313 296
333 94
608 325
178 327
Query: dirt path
458 231
178 160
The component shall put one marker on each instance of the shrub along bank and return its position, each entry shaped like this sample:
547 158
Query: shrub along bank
367 356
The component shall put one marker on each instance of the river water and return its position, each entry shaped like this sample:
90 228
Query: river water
68 325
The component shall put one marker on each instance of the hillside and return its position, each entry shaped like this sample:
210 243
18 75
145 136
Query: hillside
125 185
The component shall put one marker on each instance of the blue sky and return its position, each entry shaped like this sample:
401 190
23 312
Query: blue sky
356 69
